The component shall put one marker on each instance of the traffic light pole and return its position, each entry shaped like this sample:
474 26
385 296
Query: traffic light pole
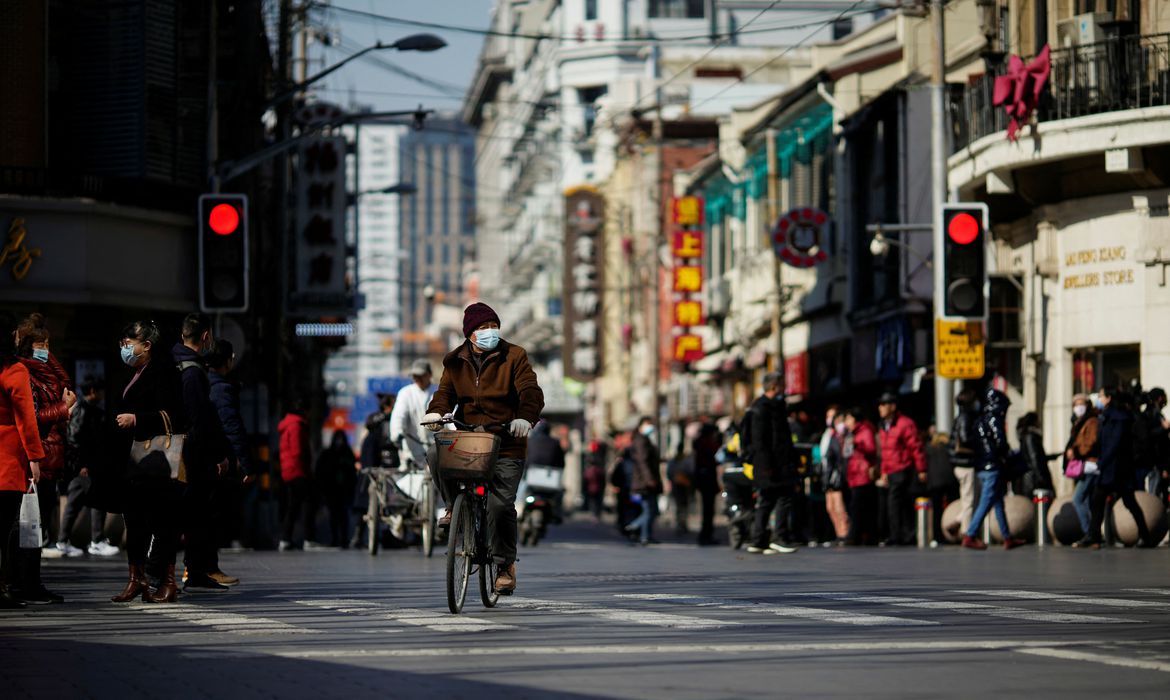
943 388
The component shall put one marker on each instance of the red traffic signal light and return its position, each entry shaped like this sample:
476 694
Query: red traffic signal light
964 265
963 228
224 219
223 252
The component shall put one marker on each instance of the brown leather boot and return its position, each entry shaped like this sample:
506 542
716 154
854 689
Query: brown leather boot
135 586
506 579
167 591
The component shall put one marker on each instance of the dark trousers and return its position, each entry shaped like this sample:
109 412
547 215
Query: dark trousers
768 499
73 507
707 502
863 514
593 503
339 504
502 509
1124 491
901 507
299 508
153 512
9 514
201 555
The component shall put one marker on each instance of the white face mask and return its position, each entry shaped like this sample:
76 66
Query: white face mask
841 429
648 430
487 338
1080 410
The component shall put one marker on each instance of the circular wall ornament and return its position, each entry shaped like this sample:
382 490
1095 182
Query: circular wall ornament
799 237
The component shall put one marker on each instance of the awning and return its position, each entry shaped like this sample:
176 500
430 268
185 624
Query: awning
711 362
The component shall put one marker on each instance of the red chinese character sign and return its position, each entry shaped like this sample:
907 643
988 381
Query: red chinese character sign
687 245
687 211
688 313
583 282
688 348
800 236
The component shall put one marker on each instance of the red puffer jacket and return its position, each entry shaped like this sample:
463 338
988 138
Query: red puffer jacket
863 457
294 447
49 382
901 446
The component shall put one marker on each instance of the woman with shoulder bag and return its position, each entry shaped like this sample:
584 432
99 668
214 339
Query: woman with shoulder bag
20 451
1080 459
151 408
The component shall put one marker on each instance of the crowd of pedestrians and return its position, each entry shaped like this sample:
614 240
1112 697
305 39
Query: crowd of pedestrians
860 478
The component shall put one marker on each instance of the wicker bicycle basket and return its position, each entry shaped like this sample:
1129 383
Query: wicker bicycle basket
464 454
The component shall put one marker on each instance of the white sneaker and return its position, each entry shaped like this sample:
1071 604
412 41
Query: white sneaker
761 550
52 552
68 550
103 549
777 547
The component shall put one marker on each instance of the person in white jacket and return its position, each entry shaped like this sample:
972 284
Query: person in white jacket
410 407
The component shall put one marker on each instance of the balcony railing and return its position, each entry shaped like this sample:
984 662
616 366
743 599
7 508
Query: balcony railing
1118 74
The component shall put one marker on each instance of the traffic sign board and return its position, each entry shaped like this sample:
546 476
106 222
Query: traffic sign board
958 349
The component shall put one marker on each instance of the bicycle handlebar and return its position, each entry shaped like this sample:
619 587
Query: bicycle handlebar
466 426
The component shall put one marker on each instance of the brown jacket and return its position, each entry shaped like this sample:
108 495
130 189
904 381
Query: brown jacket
502 390
1084 438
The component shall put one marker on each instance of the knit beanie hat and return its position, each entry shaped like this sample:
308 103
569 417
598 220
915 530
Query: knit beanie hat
476 315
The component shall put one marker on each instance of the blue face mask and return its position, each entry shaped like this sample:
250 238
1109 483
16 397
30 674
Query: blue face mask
40 355
487 338
128 355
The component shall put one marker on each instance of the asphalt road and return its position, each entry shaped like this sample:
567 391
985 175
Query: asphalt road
595 618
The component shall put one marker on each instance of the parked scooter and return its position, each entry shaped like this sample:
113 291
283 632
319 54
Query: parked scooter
739 504
540 495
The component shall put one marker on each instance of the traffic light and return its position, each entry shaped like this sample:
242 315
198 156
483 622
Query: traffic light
964 267
223 252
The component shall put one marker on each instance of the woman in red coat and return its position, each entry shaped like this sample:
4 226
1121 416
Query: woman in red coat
54 401
20 451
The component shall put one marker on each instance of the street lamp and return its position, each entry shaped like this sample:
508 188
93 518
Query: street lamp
414 42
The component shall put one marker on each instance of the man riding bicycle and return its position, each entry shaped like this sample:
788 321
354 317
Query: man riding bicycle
490 381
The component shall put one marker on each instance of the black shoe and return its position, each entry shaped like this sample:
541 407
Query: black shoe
203 582
7 602
41 597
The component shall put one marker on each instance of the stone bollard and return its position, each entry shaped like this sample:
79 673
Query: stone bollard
1042 498
922 507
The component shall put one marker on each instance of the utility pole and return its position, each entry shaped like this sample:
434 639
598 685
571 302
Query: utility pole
943 388
656 237
777 266
283 130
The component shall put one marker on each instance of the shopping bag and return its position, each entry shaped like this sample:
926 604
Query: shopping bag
30 519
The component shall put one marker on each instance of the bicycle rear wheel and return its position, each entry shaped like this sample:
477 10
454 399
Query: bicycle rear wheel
460 549
427 508
487 569
373 516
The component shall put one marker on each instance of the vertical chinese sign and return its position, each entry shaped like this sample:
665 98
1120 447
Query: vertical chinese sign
321 285
583 283
686 246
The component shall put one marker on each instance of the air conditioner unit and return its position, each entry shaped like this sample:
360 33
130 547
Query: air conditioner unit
1083 29
719 298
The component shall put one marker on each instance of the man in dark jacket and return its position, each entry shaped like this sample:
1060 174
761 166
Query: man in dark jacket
1116 467
207 453
990 462
492 383
773 459
227 497
704 448
1156 432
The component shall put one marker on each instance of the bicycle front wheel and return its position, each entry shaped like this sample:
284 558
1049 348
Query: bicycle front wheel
460 549
373 516
427 508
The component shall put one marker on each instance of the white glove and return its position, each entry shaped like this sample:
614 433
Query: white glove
520 428
434 420
1091 468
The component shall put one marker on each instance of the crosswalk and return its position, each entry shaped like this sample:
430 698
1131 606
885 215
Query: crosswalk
686 612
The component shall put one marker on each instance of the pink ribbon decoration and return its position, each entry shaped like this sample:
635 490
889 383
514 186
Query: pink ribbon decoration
1019 90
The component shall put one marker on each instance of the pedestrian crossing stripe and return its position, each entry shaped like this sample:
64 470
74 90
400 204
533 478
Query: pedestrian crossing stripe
821 614
978 609
222 620
435 620
1070 599
637 617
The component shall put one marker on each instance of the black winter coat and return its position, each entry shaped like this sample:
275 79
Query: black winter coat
1036 460
771 453
992 445
544 449
225 395
157 389
1116 439
206 444
963 440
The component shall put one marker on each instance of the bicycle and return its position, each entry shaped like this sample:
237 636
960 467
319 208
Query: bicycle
401 493
467 456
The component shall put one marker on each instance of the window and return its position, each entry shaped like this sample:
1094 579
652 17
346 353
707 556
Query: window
692 9
590 10
1114 365
586 97
1003 312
